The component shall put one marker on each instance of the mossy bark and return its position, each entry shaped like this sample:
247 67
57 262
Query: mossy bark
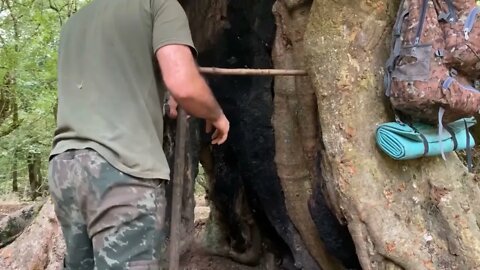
13 224
47 250
419 214
296 125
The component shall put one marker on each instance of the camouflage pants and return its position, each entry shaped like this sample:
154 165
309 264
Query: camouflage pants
109 220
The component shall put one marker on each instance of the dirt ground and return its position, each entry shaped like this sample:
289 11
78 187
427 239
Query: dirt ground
7 208
200 262
190 261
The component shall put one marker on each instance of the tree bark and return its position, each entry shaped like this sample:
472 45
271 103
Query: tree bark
15 171
15 150
12 225
46 253
418 214
33 166
207 20
295 123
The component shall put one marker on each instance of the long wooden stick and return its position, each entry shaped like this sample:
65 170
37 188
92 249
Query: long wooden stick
253 71
177 192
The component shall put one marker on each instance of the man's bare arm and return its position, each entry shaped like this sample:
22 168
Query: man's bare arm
182 78
184 82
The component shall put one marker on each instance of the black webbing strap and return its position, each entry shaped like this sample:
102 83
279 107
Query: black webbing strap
423 16
469 149
425 144
396 47
401 14
454 138
426 148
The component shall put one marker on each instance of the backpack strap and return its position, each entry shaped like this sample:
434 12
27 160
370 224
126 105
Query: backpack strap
454 137
471 19
396 48
469 149
451 15
397 41
421 22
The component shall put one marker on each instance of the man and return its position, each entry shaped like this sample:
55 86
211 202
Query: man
107 167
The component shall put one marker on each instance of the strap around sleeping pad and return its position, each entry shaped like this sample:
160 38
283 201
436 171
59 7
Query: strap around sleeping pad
454 138
469 149
426 148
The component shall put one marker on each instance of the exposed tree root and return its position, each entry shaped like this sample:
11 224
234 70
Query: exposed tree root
12 225
296 125
40 246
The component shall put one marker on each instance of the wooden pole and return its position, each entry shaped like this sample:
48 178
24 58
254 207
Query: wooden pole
177 190
253 71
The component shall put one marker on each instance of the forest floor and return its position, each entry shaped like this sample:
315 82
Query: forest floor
7 208
193 261
190 261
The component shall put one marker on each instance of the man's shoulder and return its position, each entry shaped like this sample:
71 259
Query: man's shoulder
157 5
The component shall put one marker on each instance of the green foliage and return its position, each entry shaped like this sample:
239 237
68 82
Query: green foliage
29 33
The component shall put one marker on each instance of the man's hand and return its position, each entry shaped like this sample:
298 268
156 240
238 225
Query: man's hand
222 126
172 108
186 85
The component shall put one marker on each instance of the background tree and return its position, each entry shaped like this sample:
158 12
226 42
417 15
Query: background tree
28 53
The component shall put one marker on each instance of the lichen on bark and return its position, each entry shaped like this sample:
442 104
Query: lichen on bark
296 125
412 214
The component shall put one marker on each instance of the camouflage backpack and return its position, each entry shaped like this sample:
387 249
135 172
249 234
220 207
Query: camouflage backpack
435 61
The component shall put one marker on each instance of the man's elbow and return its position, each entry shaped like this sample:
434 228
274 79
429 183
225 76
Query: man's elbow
179 72
180 86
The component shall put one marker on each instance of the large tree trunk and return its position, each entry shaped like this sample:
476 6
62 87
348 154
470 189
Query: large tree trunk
301 176
34 175
16 149
295 123
15 171
419 214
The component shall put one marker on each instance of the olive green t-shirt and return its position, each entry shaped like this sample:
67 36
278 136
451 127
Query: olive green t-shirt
110 91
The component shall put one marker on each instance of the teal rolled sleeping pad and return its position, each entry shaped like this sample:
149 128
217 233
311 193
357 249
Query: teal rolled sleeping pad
401 141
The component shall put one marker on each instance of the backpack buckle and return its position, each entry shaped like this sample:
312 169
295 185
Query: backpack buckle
453 72
439 53
476 84
467 37
444 17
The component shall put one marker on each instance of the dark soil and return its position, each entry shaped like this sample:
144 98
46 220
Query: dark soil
190 261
